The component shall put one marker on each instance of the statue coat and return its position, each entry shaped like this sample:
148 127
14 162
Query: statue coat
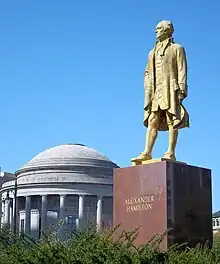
174 78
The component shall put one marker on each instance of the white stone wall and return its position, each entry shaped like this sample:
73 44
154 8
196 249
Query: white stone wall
35 216
74 215
216 224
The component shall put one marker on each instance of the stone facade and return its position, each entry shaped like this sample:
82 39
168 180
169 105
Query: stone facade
216 222
70 184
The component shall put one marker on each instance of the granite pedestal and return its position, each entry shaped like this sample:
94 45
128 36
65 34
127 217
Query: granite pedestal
164 195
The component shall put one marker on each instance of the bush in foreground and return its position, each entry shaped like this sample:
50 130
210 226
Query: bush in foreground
89 247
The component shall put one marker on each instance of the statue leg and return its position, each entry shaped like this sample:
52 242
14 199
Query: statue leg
173 135
151 134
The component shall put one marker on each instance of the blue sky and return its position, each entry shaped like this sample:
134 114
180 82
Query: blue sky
72 72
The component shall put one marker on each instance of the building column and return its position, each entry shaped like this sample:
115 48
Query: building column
81 212
1 210
99 214
15 215
62 206
27 228
43 213
13 210
62 215
11 214
7 210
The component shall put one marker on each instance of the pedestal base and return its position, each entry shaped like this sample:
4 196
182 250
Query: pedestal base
135 163
164 195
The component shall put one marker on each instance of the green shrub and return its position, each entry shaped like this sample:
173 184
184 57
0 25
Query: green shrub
89 247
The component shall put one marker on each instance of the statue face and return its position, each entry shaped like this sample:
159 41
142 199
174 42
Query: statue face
161 32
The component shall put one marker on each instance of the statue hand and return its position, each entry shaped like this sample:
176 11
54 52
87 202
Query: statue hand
180 96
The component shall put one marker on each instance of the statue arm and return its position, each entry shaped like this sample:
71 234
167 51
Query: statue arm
148 73
146 76
147 84
182 70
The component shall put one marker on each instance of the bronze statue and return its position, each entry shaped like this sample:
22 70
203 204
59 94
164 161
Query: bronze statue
165 87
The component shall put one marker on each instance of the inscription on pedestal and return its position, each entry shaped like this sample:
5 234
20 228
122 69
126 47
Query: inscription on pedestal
137 204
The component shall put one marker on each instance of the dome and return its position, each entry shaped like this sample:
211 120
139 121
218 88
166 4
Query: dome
69 155
56 184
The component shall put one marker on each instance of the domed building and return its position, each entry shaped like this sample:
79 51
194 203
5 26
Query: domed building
71 183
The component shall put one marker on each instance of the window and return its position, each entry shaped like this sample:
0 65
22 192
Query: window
22 226
39 227
35 202
71 223
217 222
213 222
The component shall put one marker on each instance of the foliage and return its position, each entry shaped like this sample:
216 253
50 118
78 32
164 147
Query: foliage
89 247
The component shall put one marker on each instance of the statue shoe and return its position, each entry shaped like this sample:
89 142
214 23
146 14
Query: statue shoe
143 156
169 155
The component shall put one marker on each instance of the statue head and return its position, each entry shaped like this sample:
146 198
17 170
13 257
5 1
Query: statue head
164 30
